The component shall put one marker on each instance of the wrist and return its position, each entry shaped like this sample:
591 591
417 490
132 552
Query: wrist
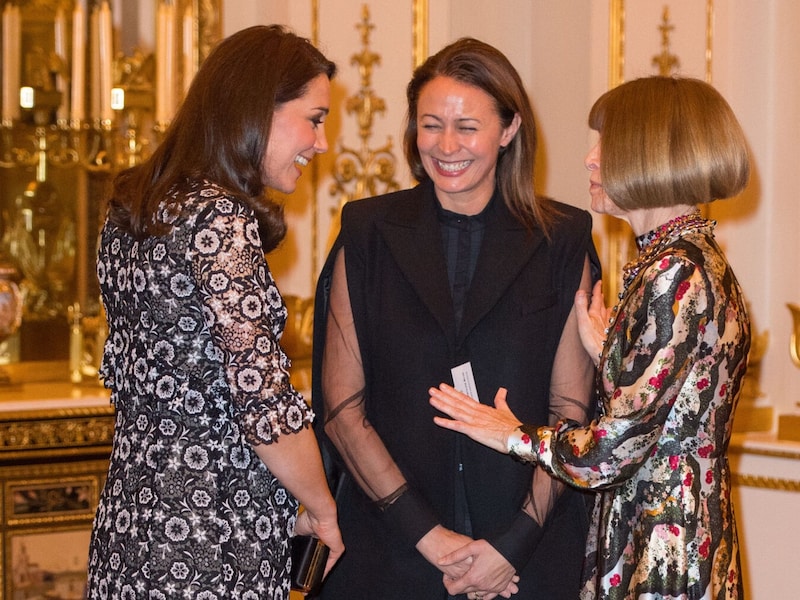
410 515
521 444
519 541
322 511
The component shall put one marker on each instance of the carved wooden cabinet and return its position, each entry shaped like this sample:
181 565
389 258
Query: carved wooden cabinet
55 440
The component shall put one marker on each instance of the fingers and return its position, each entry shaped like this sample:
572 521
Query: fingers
582 301
452 402
462 554
489 576
598 304
597 288
500 399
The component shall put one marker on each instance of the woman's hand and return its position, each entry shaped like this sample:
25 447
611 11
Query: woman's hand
484 424
326 529
490 575
593 320
440 542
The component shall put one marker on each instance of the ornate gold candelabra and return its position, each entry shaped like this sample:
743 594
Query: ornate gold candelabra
74 113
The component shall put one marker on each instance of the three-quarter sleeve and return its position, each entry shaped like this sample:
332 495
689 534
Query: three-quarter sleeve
245 315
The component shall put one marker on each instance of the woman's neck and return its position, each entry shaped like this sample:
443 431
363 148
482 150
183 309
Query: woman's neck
644 220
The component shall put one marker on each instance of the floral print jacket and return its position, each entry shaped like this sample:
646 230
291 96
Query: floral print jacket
669 377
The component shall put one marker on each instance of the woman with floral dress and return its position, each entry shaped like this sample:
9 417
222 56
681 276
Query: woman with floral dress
671 356
212 448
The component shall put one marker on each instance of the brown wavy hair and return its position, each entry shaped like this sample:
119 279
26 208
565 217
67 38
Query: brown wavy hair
476 63
221 130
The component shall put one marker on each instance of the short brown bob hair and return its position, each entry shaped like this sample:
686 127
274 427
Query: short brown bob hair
666 141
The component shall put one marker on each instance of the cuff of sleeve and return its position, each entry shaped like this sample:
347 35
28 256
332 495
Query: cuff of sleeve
521 444
411 516
518 543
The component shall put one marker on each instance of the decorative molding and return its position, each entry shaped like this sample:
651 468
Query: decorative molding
419 32
209 25
616 42
66 431
770 483
364 171
793 453
66 493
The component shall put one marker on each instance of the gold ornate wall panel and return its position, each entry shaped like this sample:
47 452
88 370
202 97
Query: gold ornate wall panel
641 32
398 39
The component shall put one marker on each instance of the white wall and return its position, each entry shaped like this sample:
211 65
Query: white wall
561 50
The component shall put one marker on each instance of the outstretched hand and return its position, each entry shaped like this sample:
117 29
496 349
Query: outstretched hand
484 424
593 320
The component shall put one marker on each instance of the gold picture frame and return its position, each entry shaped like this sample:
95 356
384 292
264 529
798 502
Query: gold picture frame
55 499
48 512
34 570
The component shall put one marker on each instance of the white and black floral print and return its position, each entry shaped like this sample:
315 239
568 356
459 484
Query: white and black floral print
197 376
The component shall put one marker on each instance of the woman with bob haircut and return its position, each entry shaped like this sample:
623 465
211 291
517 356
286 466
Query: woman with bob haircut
671 356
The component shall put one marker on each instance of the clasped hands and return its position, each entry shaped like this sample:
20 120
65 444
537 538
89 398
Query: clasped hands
472 567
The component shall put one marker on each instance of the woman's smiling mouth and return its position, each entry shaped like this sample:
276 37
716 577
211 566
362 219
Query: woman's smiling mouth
452 167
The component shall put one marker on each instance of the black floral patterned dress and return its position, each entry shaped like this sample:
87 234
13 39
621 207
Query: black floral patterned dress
197 377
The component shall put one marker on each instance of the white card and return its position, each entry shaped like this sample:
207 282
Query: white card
464 380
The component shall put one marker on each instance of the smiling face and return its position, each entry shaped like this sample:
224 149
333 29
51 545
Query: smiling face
297 134
459 136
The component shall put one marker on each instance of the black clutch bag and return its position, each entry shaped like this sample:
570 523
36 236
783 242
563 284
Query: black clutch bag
309 556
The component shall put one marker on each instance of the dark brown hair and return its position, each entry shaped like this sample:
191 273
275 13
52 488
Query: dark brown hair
475 63
667 141
221 130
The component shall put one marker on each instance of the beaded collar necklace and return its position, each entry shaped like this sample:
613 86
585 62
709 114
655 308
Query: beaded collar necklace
653 242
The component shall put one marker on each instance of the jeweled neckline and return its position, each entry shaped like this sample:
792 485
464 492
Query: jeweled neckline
654 241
